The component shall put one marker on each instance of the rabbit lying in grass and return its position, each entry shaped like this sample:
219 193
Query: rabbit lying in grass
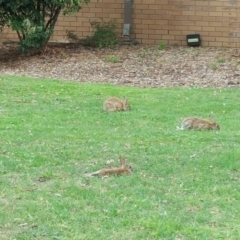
123 169
114 104
198 124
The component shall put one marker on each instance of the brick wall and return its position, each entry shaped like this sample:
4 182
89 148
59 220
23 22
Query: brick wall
217 21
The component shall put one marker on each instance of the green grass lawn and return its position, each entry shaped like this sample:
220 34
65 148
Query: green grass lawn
185 184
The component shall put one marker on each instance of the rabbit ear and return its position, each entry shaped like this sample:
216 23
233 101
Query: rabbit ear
122 161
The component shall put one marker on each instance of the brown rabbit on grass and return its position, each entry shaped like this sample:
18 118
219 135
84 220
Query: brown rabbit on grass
113 104
123 169
198 124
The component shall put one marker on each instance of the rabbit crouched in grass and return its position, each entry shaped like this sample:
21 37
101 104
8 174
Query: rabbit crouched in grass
114 105
123 169
198 124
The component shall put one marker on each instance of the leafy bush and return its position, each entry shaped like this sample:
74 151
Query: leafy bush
35 39
34 21
72 36
162 45
104 35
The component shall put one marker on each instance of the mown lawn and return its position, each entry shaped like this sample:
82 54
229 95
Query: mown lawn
185 184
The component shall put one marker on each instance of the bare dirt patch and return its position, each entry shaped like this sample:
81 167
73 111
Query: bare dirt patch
140 66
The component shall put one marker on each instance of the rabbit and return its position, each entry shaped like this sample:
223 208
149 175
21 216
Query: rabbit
123 169
198 124
113 104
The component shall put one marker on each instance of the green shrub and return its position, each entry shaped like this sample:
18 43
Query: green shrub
161 45
34 21
36 39
104 35
72 36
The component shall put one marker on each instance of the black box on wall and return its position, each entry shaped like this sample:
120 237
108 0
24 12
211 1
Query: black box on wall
193 40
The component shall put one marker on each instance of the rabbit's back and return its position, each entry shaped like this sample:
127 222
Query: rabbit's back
198 124
113 104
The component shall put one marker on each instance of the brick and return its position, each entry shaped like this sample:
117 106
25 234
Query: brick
223 39
148 31
86 24
180 7
195 8
102 15
156 36
154 6
200 13
161 31
141 6
215 34
209 9
74 29
195 28
208 29
215 24
217 14
181 27
175 42
169 27
154 27
186 32
148 11
75 24
209 39
188 23
195 18
114 5
152 2
136 21
115 16
147 21
175 12
188 13
215 44
209 19
188 3
202 3
157 41
215 3
65 23
166 17
229 14
181 17
175 32
141 16
173 22
163 2
148 41
119 10
161 22
153 17
96 10
141 36
203 33
230 44
142 26
84 29
168 37
181 37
